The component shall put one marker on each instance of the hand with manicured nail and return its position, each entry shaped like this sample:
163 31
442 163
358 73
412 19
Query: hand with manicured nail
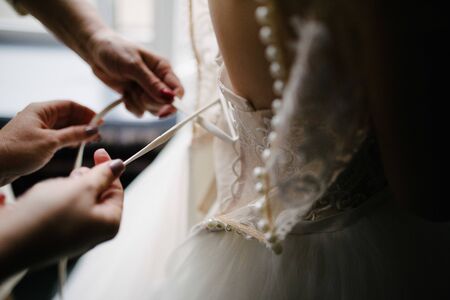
145 80
31 138
62 217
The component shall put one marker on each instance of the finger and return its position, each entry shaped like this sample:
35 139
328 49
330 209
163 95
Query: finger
67 113
101 156
133 104
79 172
110 206
152 85
102 176
166 111
179 91
130 107
115 84
148 104
74 135
137 95
173 83
151 106
162 69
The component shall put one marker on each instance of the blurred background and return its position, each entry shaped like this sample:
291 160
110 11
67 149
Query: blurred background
34 66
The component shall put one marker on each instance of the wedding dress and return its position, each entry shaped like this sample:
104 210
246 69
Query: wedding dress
342 235
352 243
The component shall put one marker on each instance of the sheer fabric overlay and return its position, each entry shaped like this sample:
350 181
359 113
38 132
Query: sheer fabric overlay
323 122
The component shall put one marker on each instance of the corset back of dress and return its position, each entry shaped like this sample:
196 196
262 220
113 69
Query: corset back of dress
322 126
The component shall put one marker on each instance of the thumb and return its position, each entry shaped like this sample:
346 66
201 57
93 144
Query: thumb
74 135
101 156
103 175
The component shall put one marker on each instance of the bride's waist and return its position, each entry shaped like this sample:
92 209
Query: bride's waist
331 220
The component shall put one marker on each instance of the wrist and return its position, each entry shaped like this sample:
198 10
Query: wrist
6 175
96 40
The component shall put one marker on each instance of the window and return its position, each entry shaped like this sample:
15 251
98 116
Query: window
135 19
60 74
9 20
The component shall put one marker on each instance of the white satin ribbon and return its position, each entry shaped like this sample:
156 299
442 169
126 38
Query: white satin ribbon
179 105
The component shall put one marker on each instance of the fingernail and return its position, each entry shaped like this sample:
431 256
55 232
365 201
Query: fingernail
165 114
161 116
91 130
167 94
117 167
166 110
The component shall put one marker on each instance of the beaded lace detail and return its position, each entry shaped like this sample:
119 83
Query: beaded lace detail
362 178
322 125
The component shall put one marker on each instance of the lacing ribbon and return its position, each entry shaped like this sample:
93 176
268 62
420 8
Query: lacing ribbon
179 105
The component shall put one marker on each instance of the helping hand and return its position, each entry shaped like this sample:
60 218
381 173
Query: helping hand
145 80
31 138
78 212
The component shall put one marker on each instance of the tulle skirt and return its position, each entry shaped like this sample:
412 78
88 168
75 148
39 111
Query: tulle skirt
382 254
372 252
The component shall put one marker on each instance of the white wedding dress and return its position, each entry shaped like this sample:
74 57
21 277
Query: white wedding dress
342 235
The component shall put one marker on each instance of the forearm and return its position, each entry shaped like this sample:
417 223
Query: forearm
22 240
74 22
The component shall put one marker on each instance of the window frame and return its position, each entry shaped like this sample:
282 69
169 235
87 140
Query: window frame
14 32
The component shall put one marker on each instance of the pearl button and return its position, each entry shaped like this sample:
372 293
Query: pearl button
263 15
272 137
275 121
266 35
259 205
266 154
276 105
259 187
259 172
276 70
220 226
278 87
211 224
272 53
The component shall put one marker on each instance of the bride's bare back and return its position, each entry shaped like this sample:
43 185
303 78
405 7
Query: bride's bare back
243 53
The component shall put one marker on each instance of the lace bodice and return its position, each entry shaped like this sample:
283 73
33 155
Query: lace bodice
323 125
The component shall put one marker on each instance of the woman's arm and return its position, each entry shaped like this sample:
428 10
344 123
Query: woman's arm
75 22
31 138
61 217
146 80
